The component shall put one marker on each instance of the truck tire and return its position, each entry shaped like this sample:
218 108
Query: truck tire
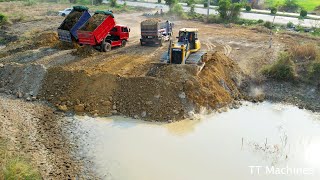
105 47
123 43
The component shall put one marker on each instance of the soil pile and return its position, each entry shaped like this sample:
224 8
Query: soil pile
49 38
94 22
21 80
71 20
168 93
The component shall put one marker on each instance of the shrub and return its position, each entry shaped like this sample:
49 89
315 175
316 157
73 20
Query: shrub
159 1
304 51
273 10
268 24
171 3
192 12
190 2
290 24
205 4
282 69
260 21
113 3
248 8
303 13
17 168
3 19
314 72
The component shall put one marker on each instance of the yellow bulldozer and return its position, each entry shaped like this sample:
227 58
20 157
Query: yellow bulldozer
186 50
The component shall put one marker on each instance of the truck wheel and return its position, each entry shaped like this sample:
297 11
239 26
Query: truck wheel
105 47
123 43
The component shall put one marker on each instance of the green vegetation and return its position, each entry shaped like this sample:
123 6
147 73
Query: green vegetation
3 19
303 13
113 3
290 24
14 166
229 11
273 10
248 8
314 71
283 69
308 5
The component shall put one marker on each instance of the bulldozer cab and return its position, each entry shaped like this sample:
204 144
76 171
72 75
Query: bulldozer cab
188 36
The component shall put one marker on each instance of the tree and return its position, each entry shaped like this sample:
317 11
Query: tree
113 3
248 7
190 2
171 3
229 11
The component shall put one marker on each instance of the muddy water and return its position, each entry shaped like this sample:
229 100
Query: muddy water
282 139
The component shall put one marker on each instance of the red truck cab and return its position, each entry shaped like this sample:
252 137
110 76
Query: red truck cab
118 36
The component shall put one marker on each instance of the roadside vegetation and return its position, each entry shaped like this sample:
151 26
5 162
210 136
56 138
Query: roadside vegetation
299 62
15 166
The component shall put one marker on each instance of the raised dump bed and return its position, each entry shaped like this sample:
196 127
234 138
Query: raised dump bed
67 31
96 29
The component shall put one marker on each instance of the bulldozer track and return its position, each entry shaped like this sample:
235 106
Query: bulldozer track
210 46
227 49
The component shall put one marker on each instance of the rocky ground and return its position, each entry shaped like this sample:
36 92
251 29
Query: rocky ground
36 131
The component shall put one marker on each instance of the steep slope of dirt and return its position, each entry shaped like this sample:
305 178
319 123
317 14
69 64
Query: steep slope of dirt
168 92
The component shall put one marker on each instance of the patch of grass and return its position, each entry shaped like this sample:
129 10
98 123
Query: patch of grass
283 69
308 5
14 166
3 19
302 52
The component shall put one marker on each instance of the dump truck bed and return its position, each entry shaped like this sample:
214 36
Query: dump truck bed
96 36
68 35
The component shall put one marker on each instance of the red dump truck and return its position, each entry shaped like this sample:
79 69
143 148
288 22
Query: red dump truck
102 32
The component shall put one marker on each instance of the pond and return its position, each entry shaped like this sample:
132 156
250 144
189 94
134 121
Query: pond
256 141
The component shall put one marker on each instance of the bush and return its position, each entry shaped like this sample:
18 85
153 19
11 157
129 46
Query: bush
205 4
248 8
273 10
192 12
190 2
282 69
159 1
3 19
268 24
290 24
260 21
18 168
30 3
303 13
113 3
314 72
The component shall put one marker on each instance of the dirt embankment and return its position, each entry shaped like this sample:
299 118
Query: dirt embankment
168 92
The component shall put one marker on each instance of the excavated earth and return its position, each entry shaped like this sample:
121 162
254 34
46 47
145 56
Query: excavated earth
167 92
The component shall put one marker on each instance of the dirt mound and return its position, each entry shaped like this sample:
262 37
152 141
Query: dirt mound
170 92
49 38
84 51
21 80
71 20
94 22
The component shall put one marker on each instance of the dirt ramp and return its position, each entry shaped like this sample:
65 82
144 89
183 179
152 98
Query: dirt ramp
22 80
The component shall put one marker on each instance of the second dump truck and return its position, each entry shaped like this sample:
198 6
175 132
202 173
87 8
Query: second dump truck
102 32
155 32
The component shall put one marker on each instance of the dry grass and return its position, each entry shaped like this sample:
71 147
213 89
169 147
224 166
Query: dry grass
304 52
